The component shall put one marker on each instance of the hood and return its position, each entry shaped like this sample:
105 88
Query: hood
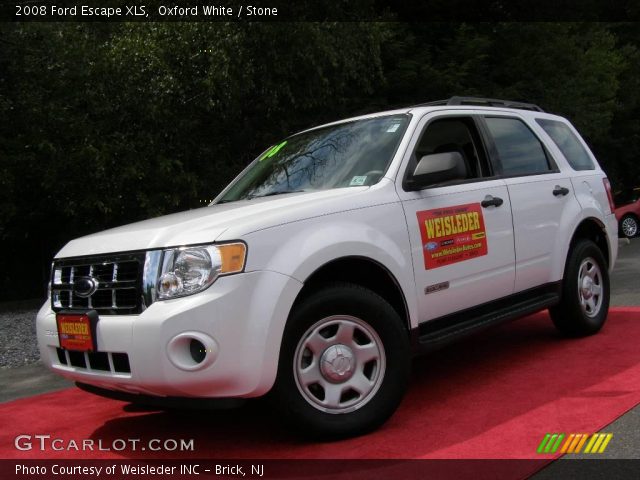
206 225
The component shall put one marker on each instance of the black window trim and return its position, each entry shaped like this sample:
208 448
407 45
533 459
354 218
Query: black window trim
475 118
494 158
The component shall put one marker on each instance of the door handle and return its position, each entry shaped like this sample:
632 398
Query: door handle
491 201
558 190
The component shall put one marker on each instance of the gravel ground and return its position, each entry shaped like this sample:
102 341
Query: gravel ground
18 344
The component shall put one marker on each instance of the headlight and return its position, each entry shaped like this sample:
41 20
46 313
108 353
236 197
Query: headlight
189 270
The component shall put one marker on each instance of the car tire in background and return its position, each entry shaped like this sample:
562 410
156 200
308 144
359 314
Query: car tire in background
628 227
344 363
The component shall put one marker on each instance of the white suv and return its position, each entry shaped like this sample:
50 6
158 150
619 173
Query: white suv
334 257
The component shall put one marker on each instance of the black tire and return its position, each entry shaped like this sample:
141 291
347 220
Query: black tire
628 227
334 307
570 317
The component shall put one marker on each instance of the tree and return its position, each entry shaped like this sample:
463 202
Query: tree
111 123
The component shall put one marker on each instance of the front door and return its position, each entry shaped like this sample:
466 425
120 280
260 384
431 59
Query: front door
461 233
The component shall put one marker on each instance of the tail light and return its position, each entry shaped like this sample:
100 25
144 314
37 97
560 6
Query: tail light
607 187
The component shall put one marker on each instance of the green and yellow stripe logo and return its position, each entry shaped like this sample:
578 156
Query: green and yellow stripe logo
574 443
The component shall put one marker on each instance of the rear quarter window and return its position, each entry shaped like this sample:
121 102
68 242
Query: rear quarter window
568 144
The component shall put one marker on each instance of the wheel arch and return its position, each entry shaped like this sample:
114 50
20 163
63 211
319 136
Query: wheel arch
592 229
363 271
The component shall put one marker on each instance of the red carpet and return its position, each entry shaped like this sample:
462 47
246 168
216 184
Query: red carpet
492 396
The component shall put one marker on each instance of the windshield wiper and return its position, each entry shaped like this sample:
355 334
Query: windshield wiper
271 194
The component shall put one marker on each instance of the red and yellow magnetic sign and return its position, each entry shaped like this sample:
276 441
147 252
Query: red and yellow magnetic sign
452 234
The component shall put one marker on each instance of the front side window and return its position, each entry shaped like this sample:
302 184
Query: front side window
519 150
454 134
345 155
568 144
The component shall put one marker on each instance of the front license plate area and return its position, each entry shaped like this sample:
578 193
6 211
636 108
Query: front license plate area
76 331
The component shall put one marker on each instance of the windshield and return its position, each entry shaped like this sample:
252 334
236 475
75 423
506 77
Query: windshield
345 155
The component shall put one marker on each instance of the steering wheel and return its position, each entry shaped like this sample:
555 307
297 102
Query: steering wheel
373 172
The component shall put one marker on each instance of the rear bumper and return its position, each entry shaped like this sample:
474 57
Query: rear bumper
239 320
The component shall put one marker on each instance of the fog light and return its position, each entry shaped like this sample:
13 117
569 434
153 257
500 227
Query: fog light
192 351
197 350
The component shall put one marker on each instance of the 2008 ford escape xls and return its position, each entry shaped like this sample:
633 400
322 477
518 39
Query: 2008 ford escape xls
336 255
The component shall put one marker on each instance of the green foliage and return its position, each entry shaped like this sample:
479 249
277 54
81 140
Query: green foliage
588 72
105 124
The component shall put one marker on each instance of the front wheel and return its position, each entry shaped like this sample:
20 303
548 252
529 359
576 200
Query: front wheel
344 363
584 303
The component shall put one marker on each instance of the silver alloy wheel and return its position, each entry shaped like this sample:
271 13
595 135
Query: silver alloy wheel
339 364
590 289
629 227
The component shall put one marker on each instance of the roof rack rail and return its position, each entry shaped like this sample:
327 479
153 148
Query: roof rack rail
485 102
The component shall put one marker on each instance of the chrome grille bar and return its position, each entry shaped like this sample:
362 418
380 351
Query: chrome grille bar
114 278
89 300
71 277
119 280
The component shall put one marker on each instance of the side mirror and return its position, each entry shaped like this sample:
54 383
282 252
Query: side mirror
437 168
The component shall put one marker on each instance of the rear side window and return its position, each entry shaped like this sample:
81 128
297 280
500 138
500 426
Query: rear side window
568 144
519 150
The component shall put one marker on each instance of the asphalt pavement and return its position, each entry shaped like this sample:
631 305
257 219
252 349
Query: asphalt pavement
625 280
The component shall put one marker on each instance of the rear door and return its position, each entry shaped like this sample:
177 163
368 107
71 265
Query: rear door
462 251
541 196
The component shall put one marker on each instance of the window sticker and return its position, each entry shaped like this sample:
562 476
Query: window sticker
452 234
358 180
393 127
273 150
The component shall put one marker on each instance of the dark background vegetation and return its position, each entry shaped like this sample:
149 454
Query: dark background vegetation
105 124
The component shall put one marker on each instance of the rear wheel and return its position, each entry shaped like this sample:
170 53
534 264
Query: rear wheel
585 292
344 363
629 226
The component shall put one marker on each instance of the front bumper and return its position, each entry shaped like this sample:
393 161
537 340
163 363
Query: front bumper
240 320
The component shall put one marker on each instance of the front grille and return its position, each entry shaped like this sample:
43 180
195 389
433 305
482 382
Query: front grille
118 279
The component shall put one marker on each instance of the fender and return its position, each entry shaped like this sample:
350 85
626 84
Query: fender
303 247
